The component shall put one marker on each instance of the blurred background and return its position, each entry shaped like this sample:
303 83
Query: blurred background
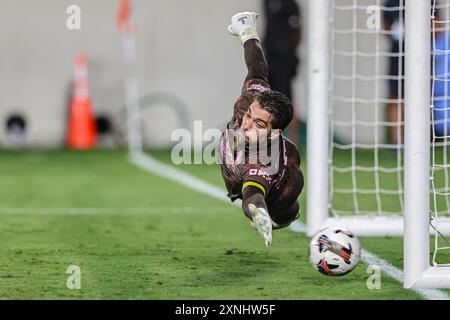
189 68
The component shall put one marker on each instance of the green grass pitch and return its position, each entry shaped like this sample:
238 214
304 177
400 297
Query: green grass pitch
140 236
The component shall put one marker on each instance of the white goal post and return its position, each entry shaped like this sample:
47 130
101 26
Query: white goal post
418 272
414 216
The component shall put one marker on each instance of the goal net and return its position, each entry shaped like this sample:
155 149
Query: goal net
366 99
440 133
358 107
364 113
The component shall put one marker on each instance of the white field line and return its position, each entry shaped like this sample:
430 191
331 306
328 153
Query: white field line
397 274
156 167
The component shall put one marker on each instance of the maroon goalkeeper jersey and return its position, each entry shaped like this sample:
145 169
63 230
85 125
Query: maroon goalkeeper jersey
282 181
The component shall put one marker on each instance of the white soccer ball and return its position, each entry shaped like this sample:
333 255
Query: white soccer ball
334 251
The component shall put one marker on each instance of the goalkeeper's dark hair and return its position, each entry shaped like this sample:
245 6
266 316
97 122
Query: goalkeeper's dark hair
278 105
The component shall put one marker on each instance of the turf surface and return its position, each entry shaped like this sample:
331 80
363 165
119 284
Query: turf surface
135 235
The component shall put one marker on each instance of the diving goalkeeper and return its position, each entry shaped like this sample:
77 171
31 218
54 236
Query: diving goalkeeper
269 189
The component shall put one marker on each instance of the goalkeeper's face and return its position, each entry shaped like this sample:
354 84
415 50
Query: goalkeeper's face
256 122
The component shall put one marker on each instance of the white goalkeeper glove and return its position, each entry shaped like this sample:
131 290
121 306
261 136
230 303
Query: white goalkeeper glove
262 222
243 25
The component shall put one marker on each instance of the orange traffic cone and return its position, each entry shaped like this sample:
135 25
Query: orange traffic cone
82 132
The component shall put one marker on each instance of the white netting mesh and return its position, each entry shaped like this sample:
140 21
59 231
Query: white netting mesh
440 202
366 165
366 111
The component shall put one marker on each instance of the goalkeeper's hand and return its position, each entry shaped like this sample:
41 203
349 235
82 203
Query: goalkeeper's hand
243 25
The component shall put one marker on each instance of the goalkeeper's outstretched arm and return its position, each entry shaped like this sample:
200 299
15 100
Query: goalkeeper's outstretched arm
252 195
243 25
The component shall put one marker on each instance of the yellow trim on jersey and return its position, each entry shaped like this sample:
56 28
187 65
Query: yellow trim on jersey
255 184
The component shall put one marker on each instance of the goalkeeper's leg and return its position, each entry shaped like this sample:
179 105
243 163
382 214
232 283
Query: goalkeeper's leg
284 218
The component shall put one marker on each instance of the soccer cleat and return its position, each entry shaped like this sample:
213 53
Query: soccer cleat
262 223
